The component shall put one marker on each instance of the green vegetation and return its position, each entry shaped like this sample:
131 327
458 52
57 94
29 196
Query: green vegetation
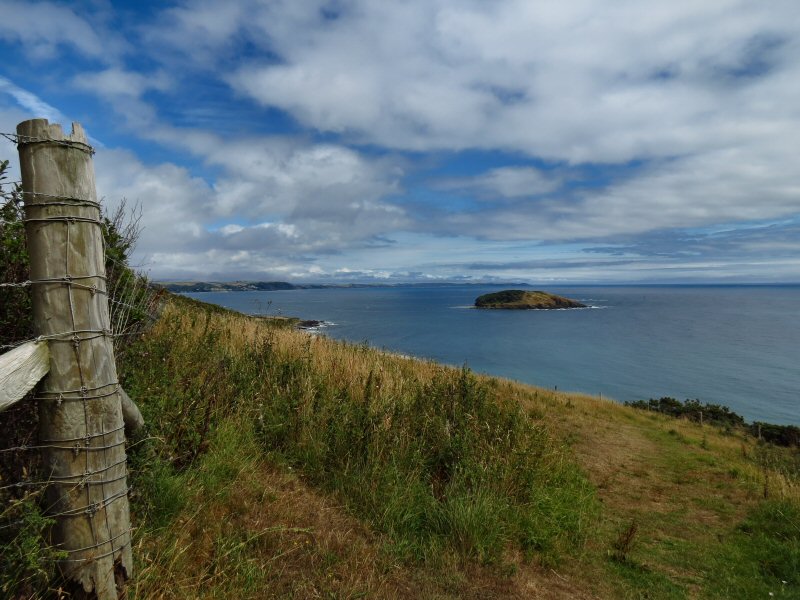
715 414
522 299
780 435
693 410
432 458
15 318
28 564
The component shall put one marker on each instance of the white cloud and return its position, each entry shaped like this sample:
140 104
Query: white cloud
30 102
579 81
327 191
685 114
318 200
43 27
175 206
727 186
115 82
201 30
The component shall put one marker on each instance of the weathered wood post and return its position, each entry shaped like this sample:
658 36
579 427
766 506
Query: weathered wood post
81 423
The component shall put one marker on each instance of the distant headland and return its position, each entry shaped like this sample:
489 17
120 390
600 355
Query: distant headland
522 299
271 286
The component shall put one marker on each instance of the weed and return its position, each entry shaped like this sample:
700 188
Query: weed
29 562
624 543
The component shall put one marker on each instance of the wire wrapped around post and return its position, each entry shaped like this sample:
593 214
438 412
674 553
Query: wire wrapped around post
81 424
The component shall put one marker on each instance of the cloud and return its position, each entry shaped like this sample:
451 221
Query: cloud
576 82
749 241
30 102
725 186
506 182
315 138
115 82
319 200
175 206
199 32
701 96
322 182
42 28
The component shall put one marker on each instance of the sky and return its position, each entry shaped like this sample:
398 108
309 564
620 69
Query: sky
568 141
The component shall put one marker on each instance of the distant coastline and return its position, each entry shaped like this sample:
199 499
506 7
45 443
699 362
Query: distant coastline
271 286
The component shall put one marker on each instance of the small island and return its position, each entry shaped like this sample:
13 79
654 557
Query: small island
521 299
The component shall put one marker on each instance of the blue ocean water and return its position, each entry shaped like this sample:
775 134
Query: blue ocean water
732 345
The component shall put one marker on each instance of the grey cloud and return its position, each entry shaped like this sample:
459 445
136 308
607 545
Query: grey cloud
322 188
543 264
755 241
726 186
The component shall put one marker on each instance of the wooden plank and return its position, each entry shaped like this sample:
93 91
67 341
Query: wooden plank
20 370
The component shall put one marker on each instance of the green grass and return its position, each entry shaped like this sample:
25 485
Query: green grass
767 545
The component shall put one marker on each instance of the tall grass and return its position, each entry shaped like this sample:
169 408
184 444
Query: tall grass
432 456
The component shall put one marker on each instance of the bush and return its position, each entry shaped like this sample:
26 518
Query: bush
15 317
722 416
692 410
780 435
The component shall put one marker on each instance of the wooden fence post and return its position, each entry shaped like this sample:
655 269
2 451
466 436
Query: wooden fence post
80 416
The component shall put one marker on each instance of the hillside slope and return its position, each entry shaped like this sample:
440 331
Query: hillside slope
279 464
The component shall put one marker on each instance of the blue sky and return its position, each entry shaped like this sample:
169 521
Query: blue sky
578 141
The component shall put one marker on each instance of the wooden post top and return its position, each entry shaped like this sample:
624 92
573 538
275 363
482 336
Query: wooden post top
42 128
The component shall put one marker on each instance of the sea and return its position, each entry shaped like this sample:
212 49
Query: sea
738 346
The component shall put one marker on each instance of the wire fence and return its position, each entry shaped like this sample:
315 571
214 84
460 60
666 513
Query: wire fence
132 307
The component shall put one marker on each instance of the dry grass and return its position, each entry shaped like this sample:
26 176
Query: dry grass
262 533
